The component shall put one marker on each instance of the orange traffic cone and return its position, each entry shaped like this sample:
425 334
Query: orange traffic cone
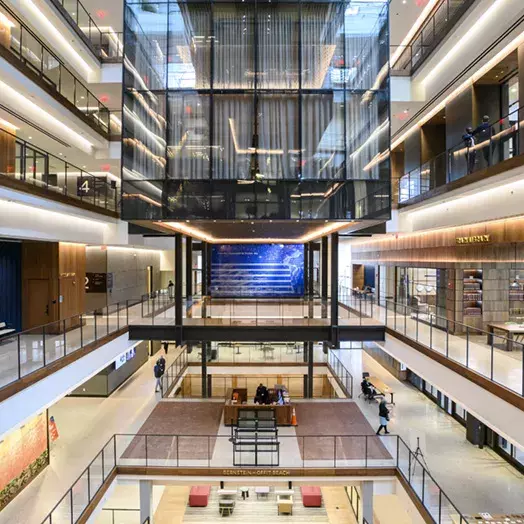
294 418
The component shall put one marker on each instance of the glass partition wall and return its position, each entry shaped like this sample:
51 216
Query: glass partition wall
256 110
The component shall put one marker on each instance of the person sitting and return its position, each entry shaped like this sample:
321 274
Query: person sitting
365 387
261 394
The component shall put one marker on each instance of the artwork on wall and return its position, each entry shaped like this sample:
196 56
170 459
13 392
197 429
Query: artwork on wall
23 454
257 270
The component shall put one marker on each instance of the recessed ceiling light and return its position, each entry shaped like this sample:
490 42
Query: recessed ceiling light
83 167
60 154
30 138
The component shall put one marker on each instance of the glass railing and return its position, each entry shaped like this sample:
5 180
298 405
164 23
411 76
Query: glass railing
260 312
345 379
108 46
196 453
484 352
496 143
33 349
443 18
119 516
23 44
354 500
36 167
375 205
173 373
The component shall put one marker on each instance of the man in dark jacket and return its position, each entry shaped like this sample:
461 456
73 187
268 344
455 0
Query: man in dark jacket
162 363
471 154
158 372
483 135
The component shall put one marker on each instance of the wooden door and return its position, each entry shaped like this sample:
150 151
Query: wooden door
39 302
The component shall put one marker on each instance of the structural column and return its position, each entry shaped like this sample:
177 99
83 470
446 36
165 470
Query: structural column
204 269
306 270
334 279
178 281
146 498
311 269
367 501
324 268
204 368
189 267
309 346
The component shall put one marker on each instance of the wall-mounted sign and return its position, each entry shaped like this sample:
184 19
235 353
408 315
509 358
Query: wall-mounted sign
96 283
90 186
475 239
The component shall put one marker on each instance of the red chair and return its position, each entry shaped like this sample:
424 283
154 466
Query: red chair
199 496
311 496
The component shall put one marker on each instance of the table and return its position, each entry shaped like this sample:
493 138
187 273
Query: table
262 491
225 507
285 492
227 493
381 387
509 328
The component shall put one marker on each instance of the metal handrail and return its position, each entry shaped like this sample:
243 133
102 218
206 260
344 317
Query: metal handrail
443 18
468 155
439 323
107 461
86 25
85 186
58 78
343 374
89 333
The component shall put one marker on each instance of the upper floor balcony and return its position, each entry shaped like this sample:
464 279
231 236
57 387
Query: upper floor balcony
407 58
29 168
24 50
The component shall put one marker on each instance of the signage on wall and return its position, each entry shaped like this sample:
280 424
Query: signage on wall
97 282
475 239
256 472
90 186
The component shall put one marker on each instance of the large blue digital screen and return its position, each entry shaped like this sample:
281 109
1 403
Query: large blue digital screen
257 270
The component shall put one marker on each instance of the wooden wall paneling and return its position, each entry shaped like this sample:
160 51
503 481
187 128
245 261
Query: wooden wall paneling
72 272
358 276
7 147
39 276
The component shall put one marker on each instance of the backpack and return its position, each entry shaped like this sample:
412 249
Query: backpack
158 371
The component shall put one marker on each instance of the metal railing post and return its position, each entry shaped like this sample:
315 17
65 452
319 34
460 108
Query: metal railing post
430 331
467 345
43 344
447 338
19 358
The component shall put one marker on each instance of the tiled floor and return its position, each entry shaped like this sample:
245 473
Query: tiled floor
475 479
507 365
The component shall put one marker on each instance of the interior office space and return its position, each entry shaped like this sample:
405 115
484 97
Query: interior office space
230 218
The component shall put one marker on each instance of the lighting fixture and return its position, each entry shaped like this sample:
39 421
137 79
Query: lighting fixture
5 123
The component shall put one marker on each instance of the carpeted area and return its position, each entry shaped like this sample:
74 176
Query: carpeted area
317 419
194 420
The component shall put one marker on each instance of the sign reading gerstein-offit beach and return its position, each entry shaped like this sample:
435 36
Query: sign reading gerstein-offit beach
475 239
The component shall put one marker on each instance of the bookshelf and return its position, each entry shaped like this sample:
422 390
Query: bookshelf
472 293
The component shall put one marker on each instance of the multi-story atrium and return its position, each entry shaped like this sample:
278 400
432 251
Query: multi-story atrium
261 261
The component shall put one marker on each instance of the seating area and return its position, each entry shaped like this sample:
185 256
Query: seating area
5 329
255 503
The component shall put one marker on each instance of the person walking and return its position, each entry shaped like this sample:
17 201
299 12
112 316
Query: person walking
162 363
171 289
165 344
383 415
483 133
158 372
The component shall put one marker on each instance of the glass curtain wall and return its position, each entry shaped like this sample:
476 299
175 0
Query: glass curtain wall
266 109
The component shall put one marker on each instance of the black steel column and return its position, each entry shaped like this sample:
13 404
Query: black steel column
334 288
311 268
204 369
310 369
189 267
178 284
306 270
204 269
209 248
324 267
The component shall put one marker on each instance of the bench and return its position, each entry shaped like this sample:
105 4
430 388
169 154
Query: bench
311 496
5 330
199 496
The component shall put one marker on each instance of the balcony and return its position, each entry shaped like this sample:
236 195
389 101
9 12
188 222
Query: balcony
25 51
499 144
405 60
107 46
26 167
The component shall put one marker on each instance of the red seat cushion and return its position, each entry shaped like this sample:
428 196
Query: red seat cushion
311 496
199 496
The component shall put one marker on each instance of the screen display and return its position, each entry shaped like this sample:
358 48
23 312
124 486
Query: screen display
257 270
125 357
